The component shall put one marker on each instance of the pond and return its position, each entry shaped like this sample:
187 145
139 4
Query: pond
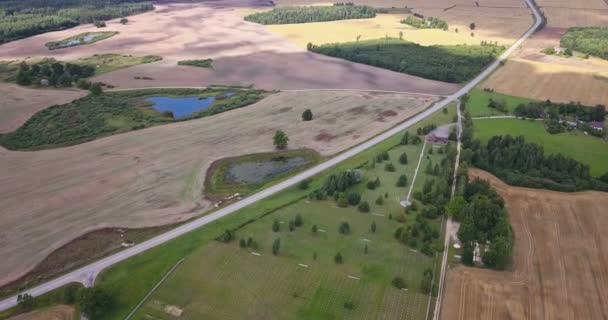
180 107
86 39
260 171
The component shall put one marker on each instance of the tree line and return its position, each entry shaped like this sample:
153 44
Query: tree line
455 63
589 40
540 109
25 18
426 23
287 15
57 74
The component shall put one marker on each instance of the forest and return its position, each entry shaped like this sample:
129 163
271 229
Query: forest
425 23
456 63
589 40
25 18
286 15
57 74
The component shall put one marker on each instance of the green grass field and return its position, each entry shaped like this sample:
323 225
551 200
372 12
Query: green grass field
586 149
130 280
80 39
109 62
479 99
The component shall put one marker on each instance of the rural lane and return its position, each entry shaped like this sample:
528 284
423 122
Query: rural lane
87 274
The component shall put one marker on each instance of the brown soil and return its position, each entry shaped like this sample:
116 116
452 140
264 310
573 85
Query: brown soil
17 104
560 268
155 176
60 312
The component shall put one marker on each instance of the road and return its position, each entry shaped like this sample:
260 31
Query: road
88 273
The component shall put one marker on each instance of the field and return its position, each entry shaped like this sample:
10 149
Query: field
60 312
559 262
156 174
479 99
243 54
18 103
586 149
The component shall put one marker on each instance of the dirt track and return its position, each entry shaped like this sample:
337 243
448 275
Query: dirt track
155 176
560 261
244 54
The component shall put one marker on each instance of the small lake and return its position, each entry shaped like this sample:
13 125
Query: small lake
256 172
181 107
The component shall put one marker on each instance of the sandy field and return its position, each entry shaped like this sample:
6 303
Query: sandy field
244 54
155 176
19 103
497 20
60 312
577 13
560 261
551 77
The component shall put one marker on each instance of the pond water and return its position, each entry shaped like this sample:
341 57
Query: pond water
256 172
181 107
86 39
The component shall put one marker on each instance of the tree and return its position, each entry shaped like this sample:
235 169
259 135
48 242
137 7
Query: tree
472 26
364 207
344 228
389 167
338 258
298 220
26 302
292 225
499 254
280 139
354 198
406 138
373 228
402 181
399 283
314 229
100 24
96 88
403 158
467 254
307 115
276 226
304 184
365 250
371 185
455 206
94 302
426 284
124 21
276 245
242 243
342 202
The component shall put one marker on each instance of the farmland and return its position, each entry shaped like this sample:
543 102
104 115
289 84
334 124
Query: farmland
558 263
130 280
97 183
589 150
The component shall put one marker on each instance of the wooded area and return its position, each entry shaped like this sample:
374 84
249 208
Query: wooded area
425 23
455 64
286 15
25 18
589 40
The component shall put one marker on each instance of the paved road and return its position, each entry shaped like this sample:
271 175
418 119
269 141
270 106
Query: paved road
87 273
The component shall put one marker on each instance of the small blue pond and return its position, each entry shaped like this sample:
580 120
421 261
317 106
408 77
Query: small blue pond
181 107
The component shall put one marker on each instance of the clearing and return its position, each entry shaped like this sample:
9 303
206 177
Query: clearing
243 54
560 266
156 175
589 150
479 100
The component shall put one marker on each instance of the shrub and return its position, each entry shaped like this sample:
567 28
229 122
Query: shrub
94 302
314 229
298 220
373 227
307 115
124 21
364 207
338 258
344 228
242 243
403 158
402 181
304 184
399 283
276 226
100 24
342 202
292 225
276 245
389 167
280 139
380 200
349 305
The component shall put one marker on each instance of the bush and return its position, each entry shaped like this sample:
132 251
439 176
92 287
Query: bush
298 220
342 202
349 305
276 226
314 229
380 200
280 139
100 24
371 185
344 228
389 167
373 227
307 115
292 225
124 21
94 302
276 245
403 158
364 207
304 184
399 283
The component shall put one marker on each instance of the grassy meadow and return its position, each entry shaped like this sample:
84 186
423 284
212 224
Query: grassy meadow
586 149
80 39
479 99
130 280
